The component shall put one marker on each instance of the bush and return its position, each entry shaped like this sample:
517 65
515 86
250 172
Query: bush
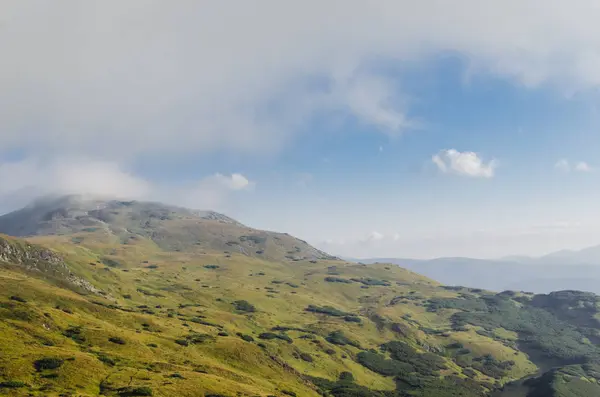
247 338
338 338
378 363
48 363
244 306
12 384
110 262
182 342
135 391
117 340
371 281
107 360
346 377
352 319
306 357
152 345
74 332
330 311
289 393
18 299
338 280
211 266
199 338
271 335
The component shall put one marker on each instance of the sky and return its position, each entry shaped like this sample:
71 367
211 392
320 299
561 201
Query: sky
368 128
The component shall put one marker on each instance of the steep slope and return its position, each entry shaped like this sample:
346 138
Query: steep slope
41 262
170 228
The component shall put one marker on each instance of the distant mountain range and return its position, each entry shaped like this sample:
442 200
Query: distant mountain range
561 270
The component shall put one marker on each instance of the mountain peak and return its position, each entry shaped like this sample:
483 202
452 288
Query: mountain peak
170 227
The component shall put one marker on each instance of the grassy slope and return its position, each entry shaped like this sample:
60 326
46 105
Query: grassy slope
146 306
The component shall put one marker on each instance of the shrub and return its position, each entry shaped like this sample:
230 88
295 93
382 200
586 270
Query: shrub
271 335
378 363
12 384
330 311
338 338
211 266
223 333
107 360
110 262
352 319
346 377
306 357
247 338
18 299
289 393
371 281
152 345
244 306
117 340
48 363
199 338
182 342
74 332
338 280
135 391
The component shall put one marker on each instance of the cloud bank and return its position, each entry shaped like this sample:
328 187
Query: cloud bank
123 78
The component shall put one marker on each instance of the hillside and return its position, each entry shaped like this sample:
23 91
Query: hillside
193 321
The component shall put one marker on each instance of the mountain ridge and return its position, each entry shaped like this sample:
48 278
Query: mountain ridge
170 227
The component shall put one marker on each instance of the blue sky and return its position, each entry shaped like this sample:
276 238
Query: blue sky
406 130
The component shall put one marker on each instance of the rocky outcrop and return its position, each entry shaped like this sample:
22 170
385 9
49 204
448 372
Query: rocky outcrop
35 259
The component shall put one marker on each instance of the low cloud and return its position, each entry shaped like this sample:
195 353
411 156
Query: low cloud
464 164
23 181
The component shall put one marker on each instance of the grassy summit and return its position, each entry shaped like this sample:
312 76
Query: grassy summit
90 312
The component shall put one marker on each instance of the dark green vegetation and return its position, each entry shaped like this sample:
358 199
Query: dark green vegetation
154 301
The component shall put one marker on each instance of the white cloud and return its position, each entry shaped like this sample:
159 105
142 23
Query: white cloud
464 163
582 166
25 180
564 165
196 76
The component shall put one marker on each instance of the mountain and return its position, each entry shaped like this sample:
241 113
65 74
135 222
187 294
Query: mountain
541 275
169 227
87 310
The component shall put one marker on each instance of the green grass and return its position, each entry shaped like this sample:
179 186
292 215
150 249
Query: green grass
229 329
